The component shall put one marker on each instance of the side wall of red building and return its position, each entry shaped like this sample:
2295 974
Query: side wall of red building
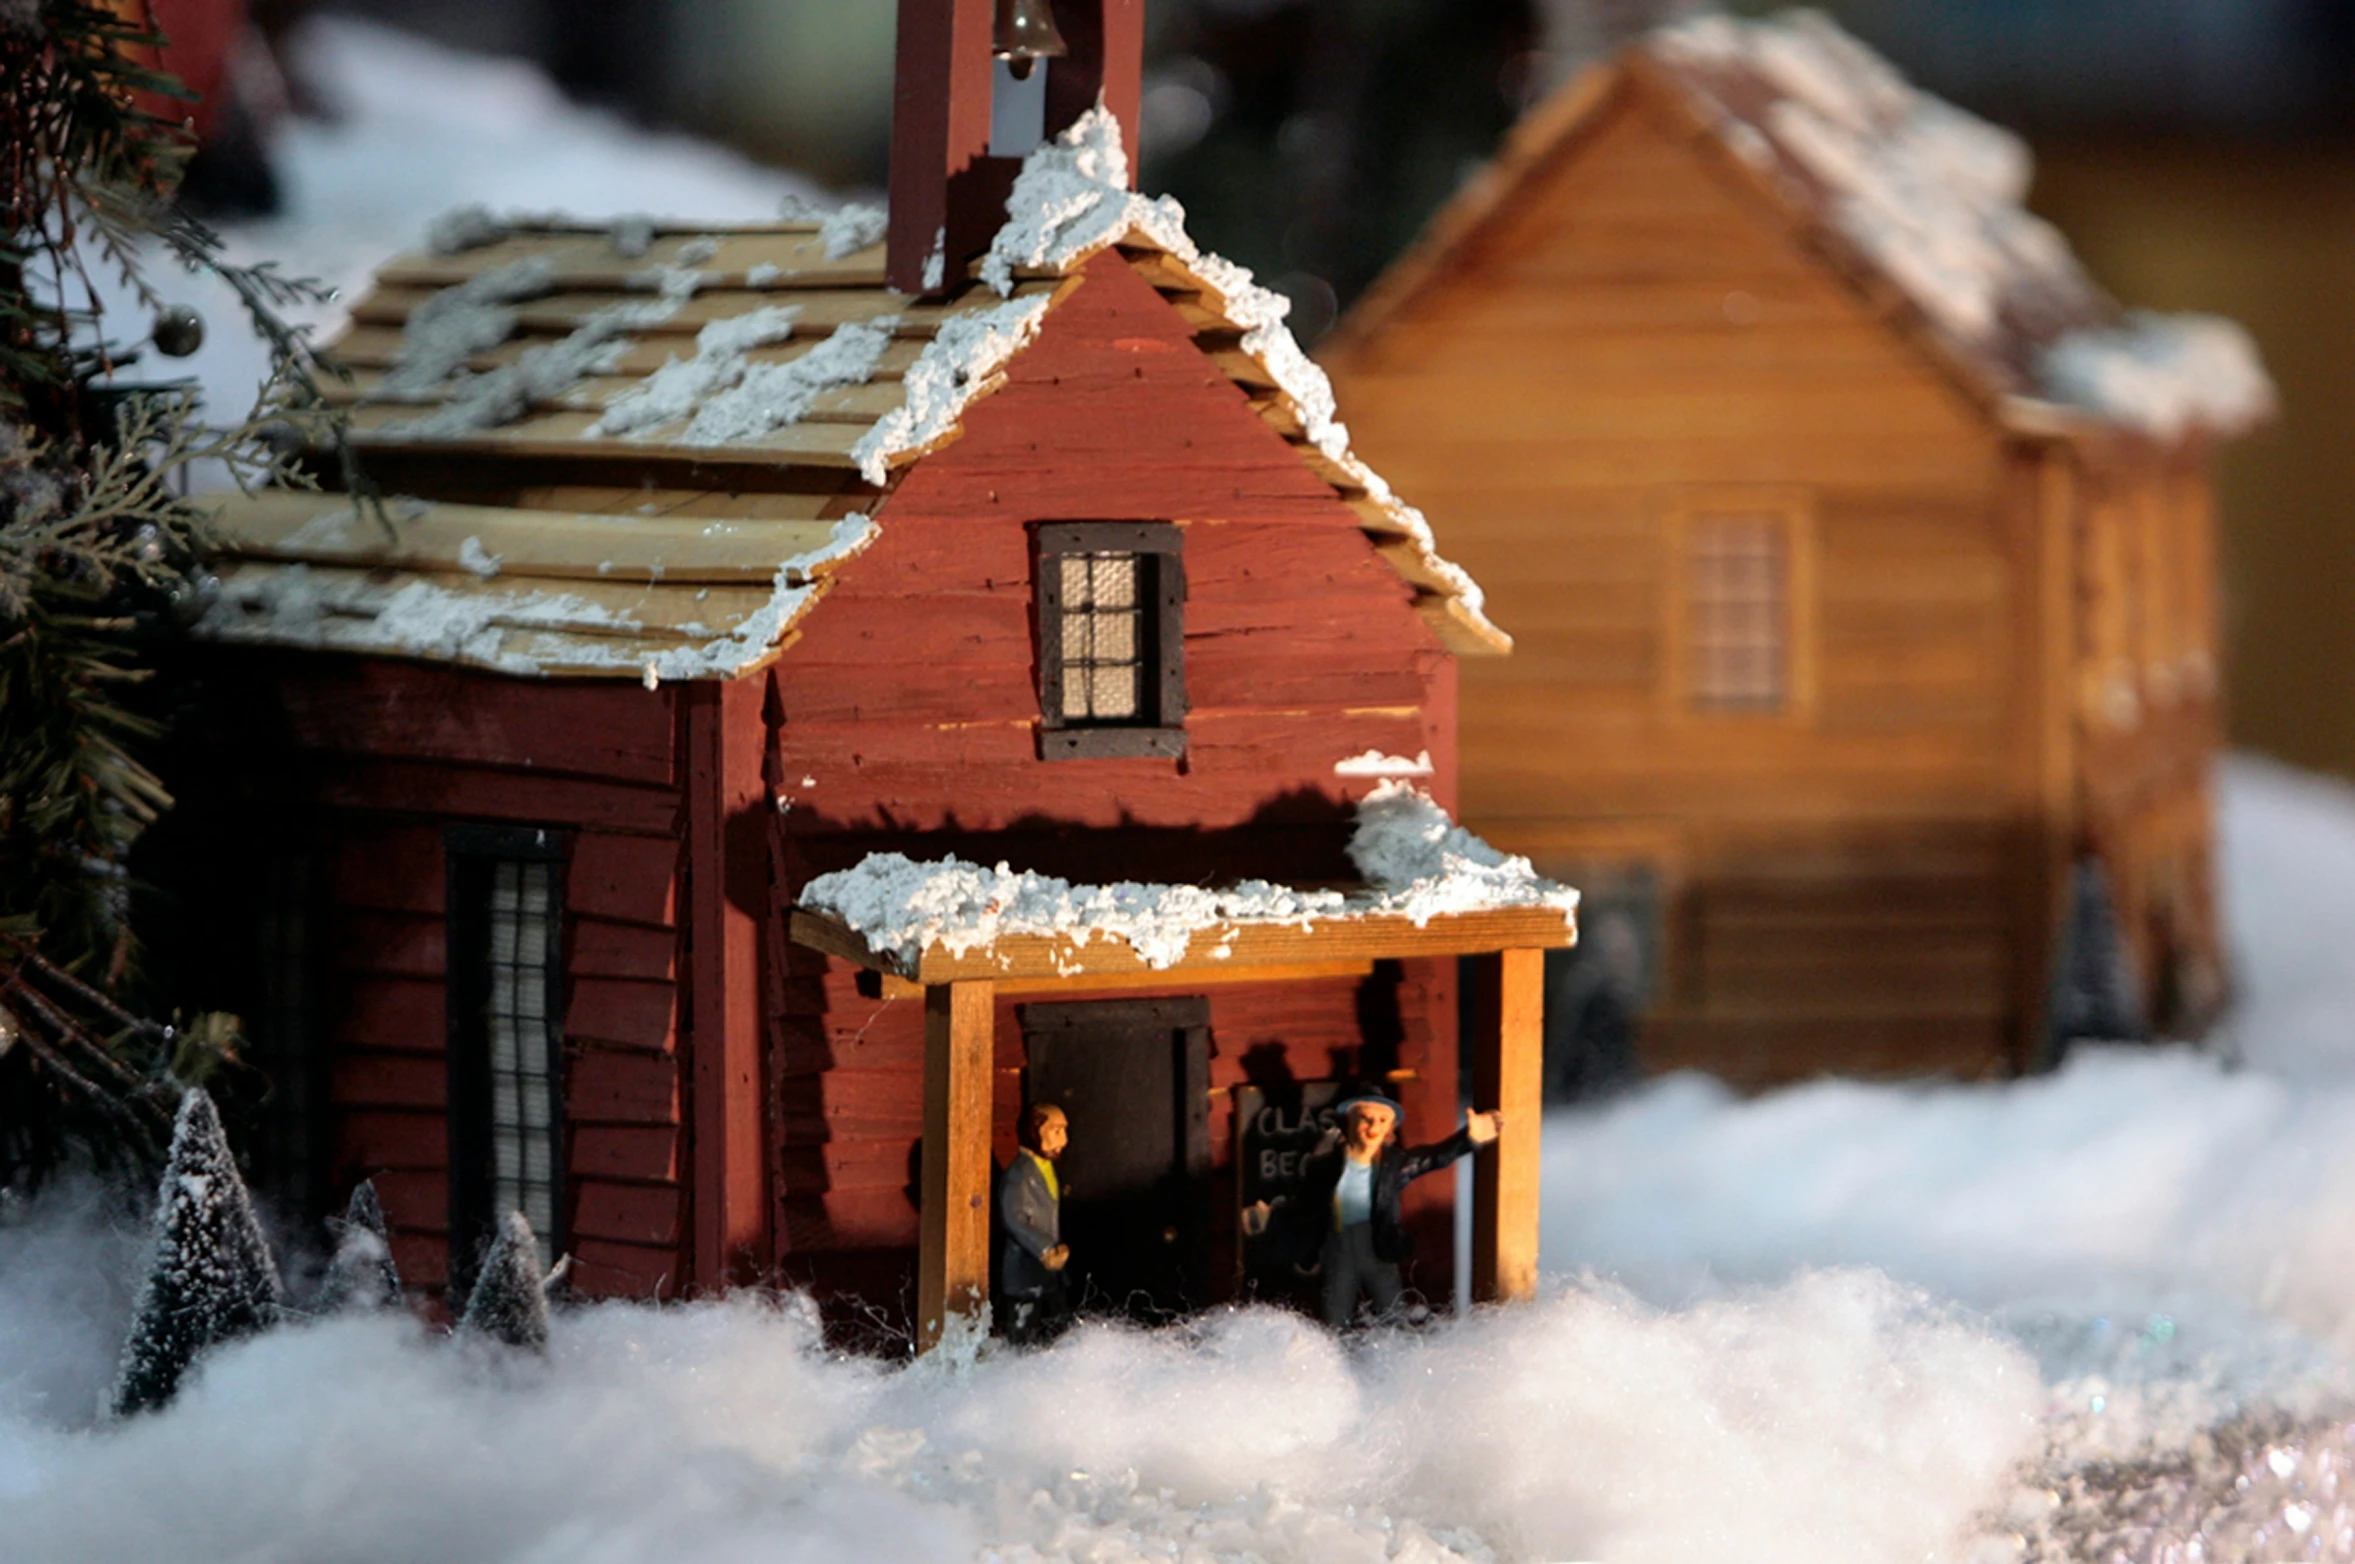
369 760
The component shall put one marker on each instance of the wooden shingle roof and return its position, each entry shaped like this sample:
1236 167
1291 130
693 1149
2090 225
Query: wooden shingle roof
644 458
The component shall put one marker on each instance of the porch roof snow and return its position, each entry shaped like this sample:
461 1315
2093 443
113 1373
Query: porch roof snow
1431 888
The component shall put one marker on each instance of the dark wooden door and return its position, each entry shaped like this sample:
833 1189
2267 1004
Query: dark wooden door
1133 1078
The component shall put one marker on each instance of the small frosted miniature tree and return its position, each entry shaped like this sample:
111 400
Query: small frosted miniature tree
2093 995
212 1279
362 1274
510 1299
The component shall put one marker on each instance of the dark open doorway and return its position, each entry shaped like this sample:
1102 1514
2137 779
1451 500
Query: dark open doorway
1133 1078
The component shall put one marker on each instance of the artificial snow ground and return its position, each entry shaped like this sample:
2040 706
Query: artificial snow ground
1838 1323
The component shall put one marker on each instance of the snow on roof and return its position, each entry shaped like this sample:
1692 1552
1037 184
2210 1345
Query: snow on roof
2161 374
1418 863
1930 195
777 346
1072 199
530 624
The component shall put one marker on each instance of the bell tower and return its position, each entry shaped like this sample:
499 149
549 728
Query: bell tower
977 84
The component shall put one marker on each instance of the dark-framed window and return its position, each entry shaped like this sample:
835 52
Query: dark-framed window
1111 618
506 1035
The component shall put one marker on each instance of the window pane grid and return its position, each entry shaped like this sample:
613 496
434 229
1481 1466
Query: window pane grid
1738 574
1103 669
522 1044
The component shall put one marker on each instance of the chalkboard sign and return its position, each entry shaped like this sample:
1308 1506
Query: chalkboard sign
1276 1128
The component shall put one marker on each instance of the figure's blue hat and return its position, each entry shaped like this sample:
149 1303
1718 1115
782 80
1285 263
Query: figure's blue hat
1365 1096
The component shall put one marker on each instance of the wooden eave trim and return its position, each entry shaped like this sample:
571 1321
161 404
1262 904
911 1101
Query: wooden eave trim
1537 139
1223 948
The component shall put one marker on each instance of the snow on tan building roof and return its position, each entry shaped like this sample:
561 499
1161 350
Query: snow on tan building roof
676 433
1917 200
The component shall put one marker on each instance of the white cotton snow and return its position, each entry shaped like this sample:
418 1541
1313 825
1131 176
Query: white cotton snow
2162 374
766 397
954 368
465 228
1930 192
477 560
457 322
1072 198
1418 863
545 372
1836 1421
852 227
1373 763
674 391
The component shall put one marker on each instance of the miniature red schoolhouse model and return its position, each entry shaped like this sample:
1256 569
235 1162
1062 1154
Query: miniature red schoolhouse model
634 776
1861 554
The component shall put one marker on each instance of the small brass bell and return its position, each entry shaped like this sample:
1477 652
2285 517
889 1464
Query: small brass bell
179 331
1025 34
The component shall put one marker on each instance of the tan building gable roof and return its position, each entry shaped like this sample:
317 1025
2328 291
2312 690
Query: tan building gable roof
1915 201
676 437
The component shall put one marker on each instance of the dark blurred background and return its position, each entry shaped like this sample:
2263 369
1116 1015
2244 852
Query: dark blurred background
2199 153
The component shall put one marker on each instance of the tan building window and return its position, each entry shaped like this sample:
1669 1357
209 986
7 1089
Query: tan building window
1738 612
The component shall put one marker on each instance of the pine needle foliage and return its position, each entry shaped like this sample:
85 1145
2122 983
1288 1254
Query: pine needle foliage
212 1279
99 553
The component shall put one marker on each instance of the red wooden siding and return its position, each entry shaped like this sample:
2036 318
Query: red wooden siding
404 749
908 714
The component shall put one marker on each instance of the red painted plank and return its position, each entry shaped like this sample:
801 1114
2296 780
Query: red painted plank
392 867
622 950
373 1139
842 1165
398 944
603 1269
623 1012
631 879
616 1086
392 1014
376 1080
434 788
626 1213
379 706
849 1219
624 1151
423 1259
415 1202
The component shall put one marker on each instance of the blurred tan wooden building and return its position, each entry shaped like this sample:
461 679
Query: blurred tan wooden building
1858 548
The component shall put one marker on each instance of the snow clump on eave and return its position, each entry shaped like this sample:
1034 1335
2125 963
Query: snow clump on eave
1419 864
956 366
2163 375
1072 198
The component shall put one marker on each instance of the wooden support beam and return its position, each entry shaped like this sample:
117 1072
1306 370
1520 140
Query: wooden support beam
1508 1073
727 877
952 1264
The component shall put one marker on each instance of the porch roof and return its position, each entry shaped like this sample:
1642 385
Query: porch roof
1221 951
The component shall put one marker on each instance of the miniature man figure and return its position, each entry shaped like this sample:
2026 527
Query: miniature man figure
1354 1181
1032 1298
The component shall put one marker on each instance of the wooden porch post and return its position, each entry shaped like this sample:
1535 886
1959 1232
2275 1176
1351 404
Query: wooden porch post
952 1262
727 879
1508 1072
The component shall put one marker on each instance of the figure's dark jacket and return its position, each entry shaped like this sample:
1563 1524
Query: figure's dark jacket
1030 1221
1395 1167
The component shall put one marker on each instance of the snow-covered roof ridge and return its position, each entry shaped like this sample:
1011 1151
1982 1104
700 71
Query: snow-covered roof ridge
1072 199
1418 863
1931 196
